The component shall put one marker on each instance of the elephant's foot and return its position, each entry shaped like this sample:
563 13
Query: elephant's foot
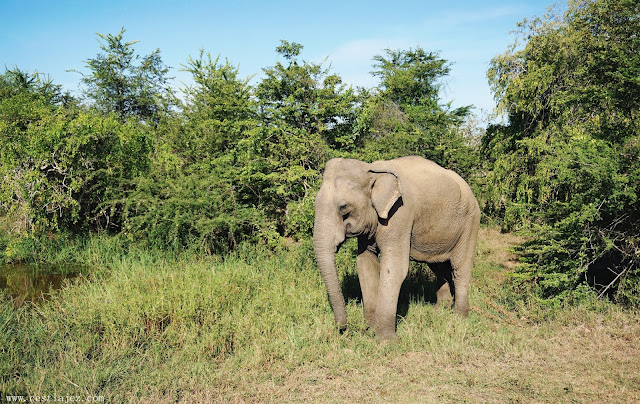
386 330
386 338
462 308
444 297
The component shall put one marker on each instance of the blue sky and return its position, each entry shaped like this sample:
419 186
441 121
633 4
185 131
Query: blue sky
54 36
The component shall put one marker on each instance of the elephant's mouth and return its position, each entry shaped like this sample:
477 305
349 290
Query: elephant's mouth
353 229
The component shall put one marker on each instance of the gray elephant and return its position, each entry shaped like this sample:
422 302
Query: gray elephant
401 209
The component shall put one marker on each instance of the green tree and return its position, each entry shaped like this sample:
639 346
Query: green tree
25 98
123 82
404 115
194 195
411 77
567 166
305 113
60 164
304 97
219 110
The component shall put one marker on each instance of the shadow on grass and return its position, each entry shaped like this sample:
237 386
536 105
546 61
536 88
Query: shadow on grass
418 287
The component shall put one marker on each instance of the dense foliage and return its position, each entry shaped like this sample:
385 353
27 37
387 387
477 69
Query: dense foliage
62 165
230 161
404 116
567 164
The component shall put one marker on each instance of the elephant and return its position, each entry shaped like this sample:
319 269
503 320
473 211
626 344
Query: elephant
408 208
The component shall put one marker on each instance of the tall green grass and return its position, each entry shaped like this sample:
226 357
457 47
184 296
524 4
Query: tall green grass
153 323
170 327
153 320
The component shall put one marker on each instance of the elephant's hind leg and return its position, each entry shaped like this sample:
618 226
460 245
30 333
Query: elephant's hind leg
462 264
462 278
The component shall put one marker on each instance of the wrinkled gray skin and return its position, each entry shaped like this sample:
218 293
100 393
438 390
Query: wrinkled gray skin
402 209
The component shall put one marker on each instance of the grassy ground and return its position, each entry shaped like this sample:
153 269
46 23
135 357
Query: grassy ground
258 328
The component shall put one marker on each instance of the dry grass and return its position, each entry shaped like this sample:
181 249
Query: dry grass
595 363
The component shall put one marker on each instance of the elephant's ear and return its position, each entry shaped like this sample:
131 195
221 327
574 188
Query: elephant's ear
385 192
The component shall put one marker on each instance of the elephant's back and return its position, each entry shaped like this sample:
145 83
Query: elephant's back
421 172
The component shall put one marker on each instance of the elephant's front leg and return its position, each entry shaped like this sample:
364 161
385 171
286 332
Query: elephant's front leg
394 266
369 276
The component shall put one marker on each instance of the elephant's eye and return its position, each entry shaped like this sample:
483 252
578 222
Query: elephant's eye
344 210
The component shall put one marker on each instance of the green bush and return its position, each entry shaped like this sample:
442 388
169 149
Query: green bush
62 165
231 162
566 167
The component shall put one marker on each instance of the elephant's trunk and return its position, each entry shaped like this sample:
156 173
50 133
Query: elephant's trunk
327 236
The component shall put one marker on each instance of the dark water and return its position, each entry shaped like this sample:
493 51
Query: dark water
34 283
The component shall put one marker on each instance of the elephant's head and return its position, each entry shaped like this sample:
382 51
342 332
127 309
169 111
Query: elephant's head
354 199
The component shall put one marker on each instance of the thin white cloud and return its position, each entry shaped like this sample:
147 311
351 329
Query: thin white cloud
360 49
453 18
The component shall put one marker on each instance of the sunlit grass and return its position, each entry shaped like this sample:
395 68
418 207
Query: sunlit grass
257 326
